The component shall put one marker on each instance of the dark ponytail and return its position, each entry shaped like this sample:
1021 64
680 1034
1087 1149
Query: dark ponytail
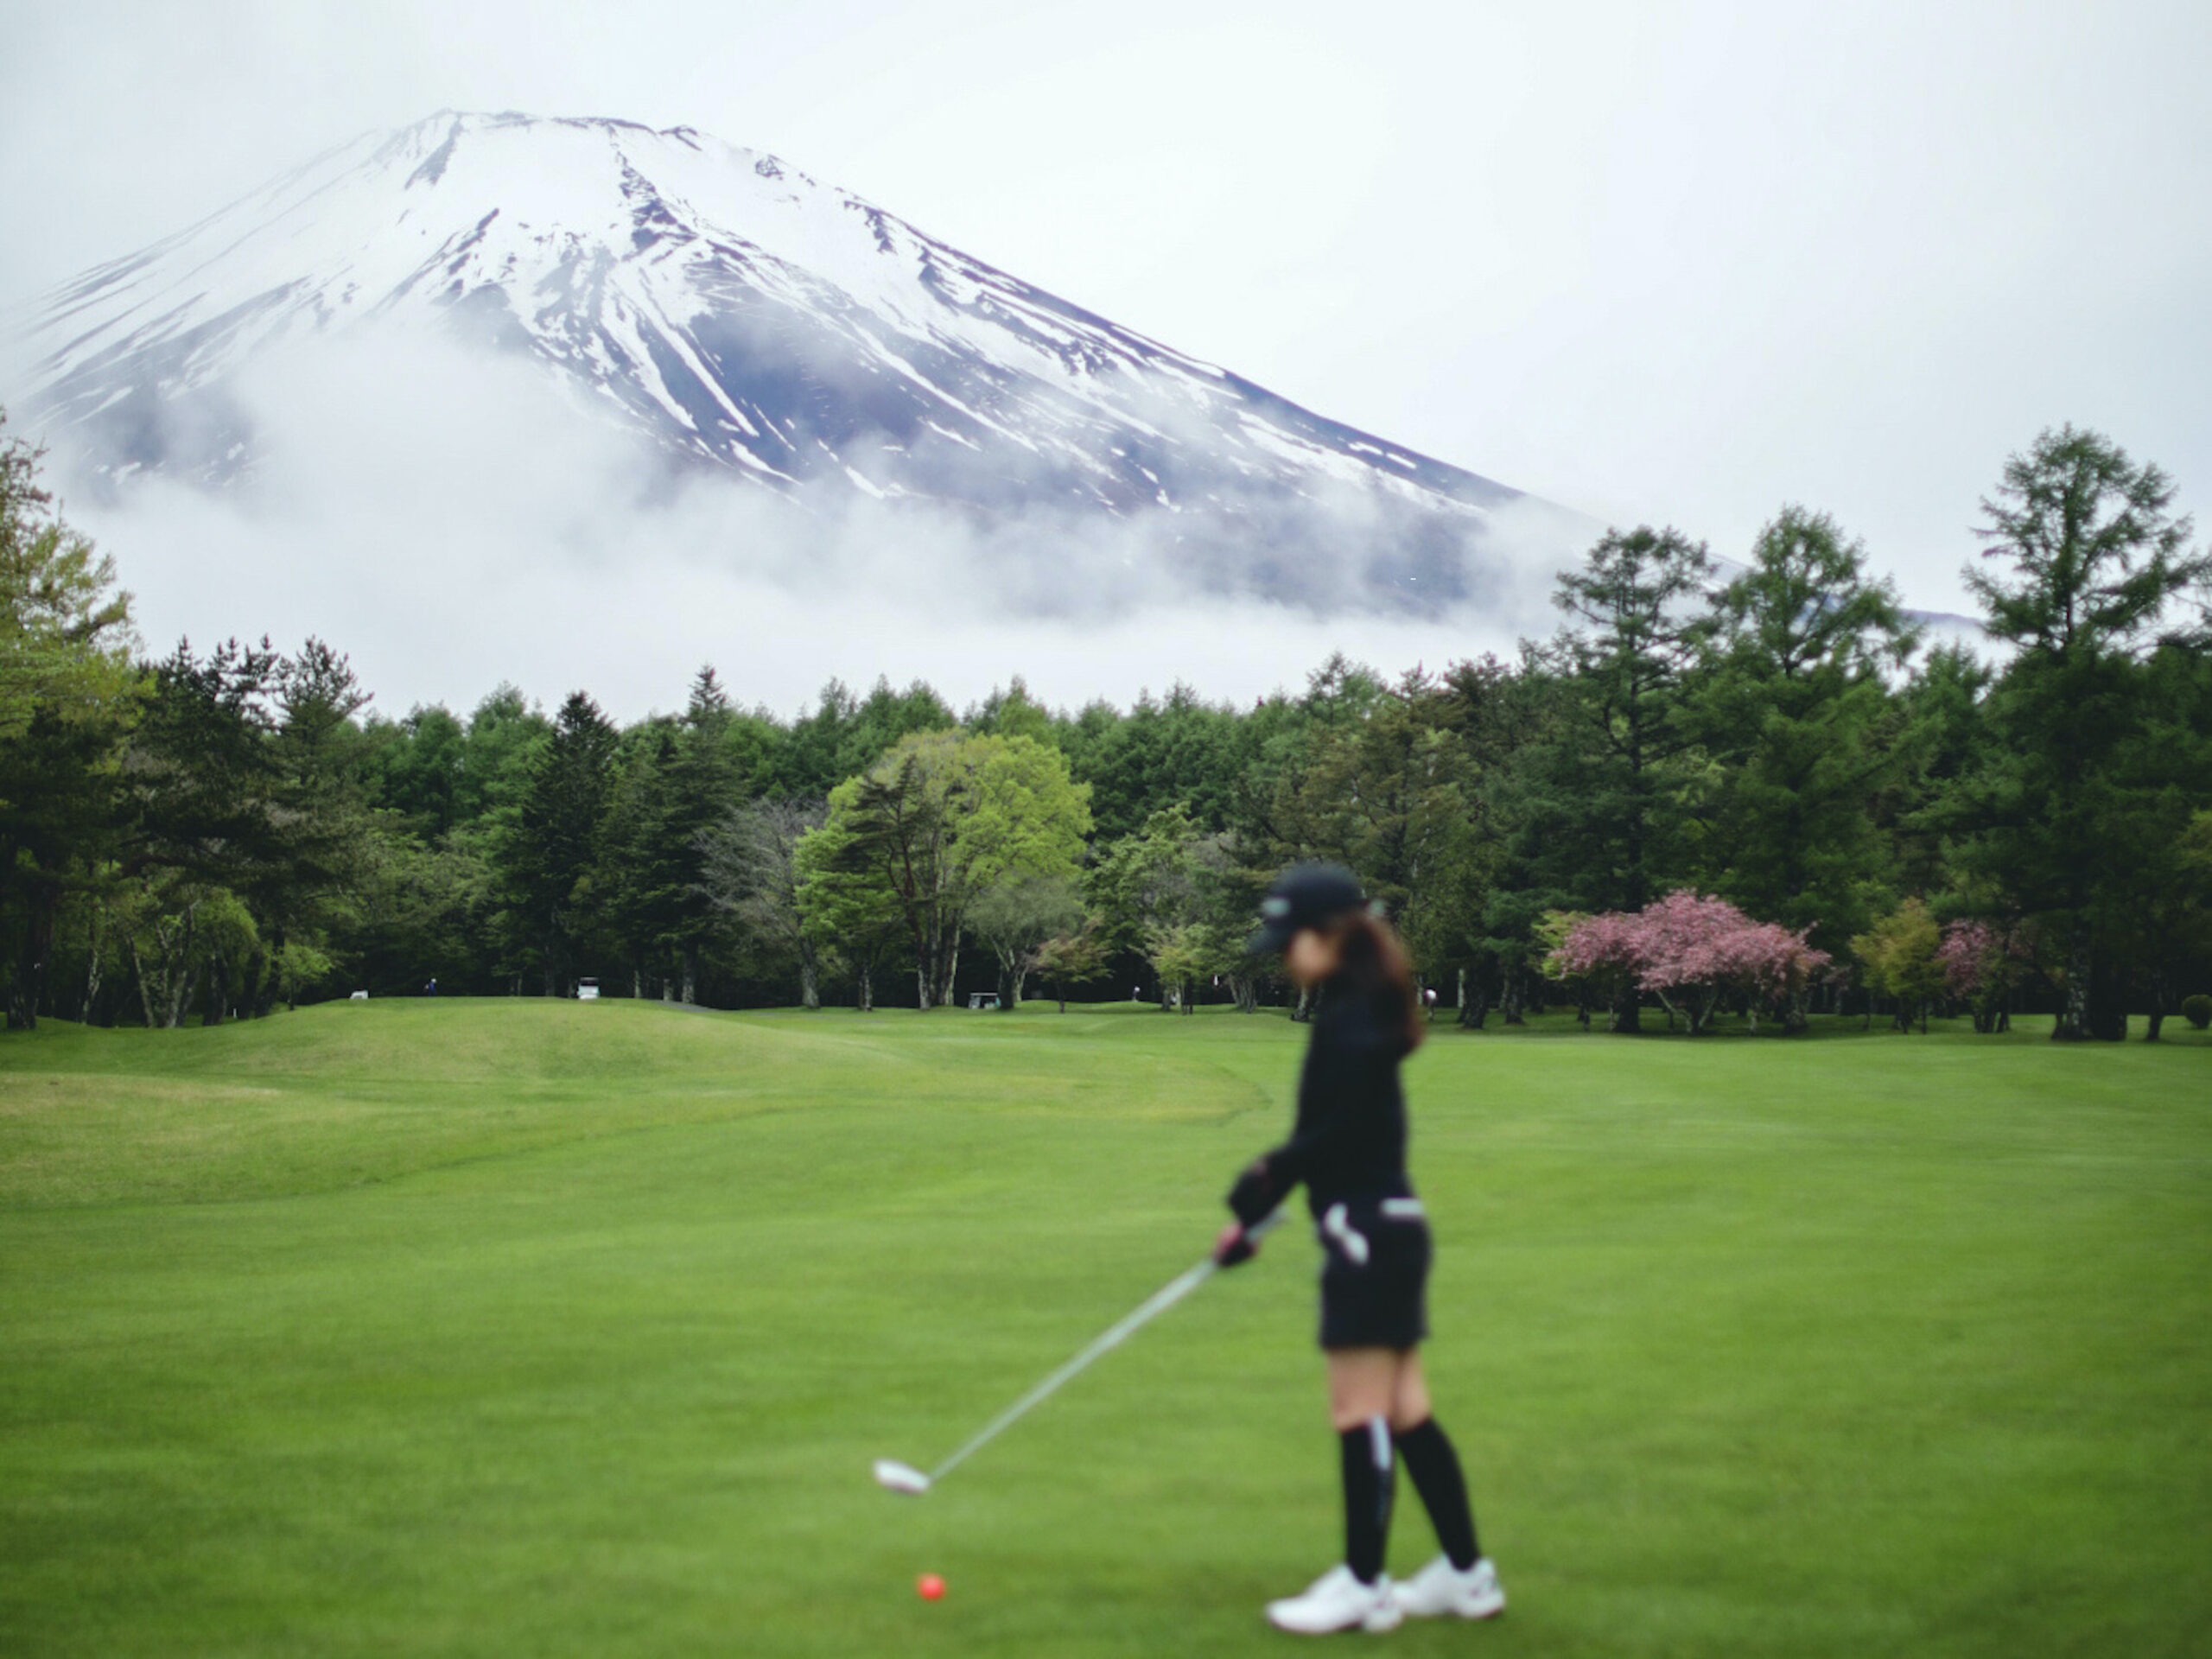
1374 967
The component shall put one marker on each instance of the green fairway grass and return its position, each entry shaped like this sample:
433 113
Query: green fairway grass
551 1328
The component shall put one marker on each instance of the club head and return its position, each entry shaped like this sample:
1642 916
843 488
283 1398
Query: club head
896 1476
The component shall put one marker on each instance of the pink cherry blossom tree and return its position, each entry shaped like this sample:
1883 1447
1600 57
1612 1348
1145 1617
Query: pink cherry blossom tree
1982 963
1692 950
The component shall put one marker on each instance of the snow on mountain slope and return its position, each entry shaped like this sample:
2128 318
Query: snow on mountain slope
747 318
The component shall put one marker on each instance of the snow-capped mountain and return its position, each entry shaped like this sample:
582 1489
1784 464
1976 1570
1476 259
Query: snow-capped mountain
746 318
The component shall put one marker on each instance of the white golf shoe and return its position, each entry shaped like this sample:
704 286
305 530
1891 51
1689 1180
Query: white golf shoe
1440 1588
1336 1601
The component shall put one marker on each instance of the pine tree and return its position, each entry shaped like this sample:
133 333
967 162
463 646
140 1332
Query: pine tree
549 854
2095 557
705 784
1794 711
1600 800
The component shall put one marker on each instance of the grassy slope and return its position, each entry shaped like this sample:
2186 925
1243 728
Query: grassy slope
511 1326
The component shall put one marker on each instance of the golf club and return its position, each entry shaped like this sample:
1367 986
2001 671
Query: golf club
897 1477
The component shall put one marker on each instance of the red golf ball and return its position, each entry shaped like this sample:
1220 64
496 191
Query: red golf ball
929 1588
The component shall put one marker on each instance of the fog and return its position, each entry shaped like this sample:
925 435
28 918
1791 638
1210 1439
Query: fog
452 518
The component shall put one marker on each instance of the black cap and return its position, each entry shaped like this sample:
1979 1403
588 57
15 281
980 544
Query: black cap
1304 895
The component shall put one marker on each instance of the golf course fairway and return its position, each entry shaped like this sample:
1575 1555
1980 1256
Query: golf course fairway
550 1328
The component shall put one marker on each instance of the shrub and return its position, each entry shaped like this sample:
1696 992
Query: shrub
2197 1010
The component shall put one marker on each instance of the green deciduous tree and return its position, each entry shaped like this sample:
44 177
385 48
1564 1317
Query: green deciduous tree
752 874
1899 956
1017 917
946 815
69 697
1077 958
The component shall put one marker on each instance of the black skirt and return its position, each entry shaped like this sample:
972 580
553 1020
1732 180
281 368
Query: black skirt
1375 1273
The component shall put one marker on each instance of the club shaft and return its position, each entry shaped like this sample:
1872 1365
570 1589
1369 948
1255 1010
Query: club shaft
1153 1305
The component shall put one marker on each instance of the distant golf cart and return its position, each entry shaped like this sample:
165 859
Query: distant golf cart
980 1000
587 990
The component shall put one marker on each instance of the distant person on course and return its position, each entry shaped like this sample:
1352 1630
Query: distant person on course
1349 1147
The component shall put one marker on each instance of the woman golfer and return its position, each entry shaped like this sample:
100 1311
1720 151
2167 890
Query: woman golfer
1349 1147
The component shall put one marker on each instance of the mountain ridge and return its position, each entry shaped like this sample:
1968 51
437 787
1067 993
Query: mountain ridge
745 318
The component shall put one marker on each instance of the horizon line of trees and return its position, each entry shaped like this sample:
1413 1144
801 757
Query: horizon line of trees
1767 794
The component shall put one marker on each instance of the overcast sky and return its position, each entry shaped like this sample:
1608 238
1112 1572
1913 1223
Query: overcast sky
1678 262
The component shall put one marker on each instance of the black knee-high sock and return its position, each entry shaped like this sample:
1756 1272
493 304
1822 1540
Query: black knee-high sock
1435 1469
1368 1467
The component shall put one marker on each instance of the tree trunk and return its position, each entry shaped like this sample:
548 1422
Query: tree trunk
180 993
692 973
1509 1002
948 967
2107 1019
166 992
38 945
866 987
95 926
1303 1010
1797 1018
146 985
258 974
1474 1006
810 976
219 989
1627 1012
2072 1025
267 981
937 963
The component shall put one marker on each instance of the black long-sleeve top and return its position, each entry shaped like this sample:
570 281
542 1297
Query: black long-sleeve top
1349 1140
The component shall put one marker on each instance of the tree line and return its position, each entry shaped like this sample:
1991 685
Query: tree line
1752 788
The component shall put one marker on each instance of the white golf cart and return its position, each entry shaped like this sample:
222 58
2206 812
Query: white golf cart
587 990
